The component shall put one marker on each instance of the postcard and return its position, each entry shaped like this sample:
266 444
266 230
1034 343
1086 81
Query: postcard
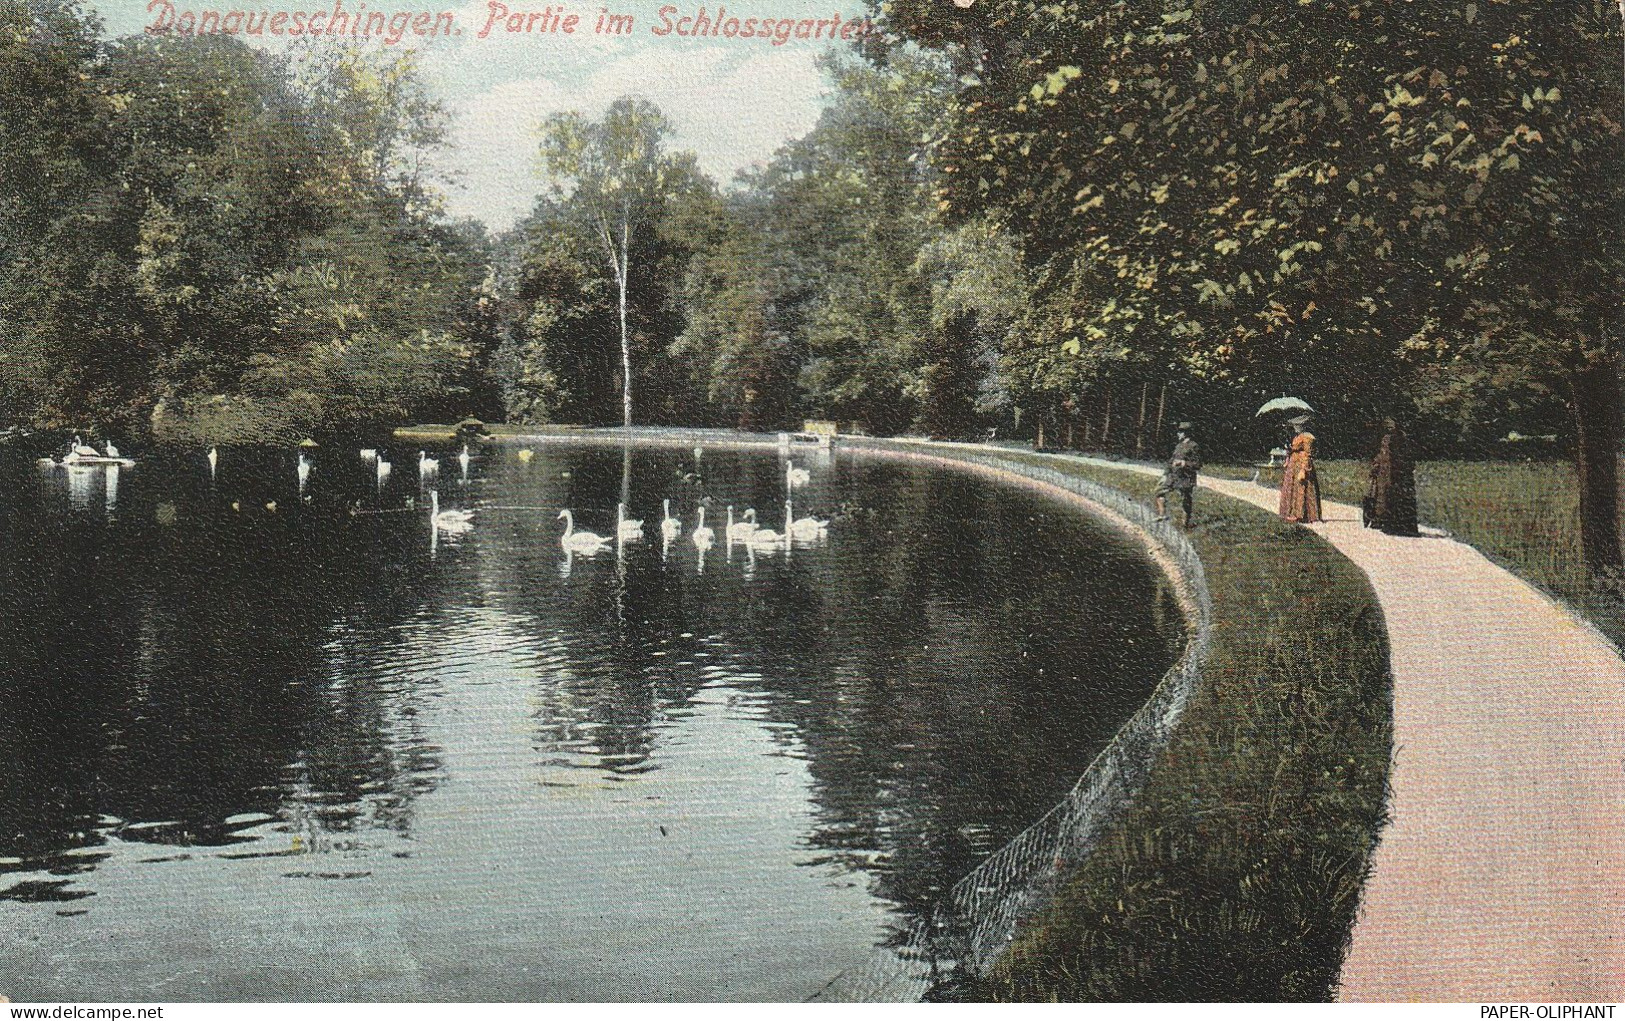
667 501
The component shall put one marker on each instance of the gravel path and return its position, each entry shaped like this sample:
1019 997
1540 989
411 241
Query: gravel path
1502 873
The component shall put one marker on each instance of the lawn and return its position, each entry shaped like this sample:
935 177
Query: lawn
1236 873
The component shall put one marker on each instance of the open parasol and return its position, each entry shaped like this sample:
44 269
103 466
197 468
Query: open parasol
1283 404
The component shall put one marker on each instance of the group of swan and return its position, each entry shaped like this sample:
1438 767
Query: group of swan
626 530
380 465
748 532
745 531
428 467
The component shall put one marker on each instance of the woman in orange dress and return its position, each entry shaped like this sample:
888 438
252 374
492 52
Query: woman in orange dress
1300 487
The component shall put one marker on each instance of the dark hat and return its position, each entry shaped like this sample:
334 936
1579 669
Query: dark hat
1184 427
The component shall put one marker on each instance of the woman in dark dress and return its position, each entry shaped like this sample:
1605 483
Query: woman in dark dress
1391 495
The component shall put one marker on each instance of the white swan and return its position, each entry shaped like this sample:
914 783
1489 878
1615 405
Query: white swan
765 538
453 522
627 530
740 531
704 537
303 470
81 450
383 469
803 528
463 459
214 459
427 465
794 476
670 527
581 542
369 454
112 451
762 538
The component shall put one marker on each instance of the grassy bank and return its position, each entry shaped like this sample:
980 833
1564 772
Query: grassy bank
1236 874
1523 515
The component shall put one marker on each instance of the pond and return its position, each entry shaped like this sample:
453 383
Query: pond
266 741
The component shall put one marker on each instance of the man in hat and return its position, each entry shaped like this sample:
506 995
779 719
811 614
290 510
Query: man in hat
1181 474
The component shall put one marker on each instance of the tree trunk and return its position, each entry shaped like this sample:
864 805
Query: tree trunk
1162 413
1139 431
1596 392
1038 444
1106 426
626 341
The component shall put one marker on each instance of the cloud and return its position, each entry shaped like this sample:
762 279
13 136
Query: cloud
732 107
732 102
493 146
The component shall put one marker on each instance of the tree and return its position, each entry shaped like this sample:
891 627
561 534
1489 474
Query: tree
839 217
617 171
210 249
60 214
737 343
979 290
1316 199
386 123
1508 124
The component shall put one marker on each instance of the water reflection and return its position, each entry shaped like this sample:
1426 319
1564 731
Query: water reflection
318 752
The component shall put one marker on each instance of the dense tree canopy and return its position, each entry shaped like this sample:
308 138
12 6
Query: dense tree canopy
1381 208
205 241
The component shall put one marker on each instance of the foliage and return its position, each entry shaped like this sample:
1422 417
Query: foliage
240 247
813 289
1301 202
738 341
979 291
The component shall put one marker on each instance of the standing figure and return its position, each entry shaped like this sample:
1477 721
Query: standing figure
1390 499
1300 486
1181 474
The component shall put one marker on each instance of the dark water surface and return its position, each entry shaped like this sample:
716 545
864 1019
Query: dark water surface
308 753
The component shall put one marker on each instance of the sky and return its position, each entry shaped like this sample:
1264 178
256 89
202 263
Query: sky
731 101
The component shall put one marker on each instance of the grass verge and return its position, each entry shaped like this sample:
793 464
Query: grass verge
1236 873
